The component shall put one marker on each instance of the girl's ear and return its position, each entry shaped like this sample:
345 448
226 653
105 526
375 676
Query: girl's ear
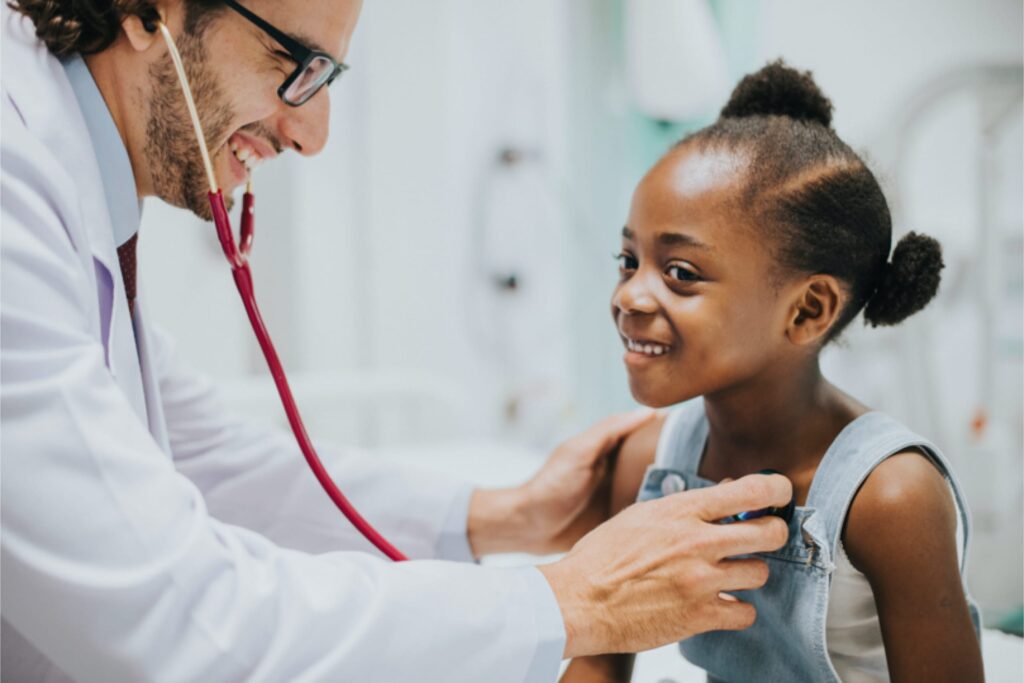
815 310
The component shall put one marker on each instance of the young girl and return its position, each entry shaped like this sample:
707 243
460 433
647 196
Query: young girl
749 247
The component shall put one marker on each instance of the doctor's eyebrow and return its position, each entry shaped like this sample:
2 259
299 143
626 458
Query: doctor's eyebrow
300 38
307 41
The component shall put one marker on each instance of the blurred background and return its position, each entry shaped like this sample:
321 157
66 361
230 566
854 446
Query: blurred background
438 279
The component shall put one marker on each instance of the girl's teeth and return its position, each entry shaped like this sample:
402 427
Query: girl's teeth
646 349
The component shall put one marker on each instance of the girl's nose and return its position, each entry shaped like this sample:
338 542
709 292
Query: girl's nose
634 296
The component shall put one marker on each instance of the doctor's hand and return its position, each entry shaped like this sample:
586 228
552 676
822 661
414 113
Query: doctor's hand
660 571
567 498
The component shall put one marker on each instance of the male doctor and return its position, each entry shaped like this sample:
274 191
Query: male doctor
149 535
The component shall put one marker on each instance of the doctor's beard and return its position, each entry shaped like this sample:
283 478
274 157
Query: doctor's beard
176 164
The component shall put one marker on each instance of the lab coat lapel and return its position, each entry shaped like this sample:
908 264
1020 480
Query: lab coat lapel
41 92
150 381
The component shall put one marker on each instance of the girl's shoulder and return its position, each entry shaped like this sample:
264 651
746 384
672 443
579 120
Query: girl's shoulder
635 455
879 473
906 499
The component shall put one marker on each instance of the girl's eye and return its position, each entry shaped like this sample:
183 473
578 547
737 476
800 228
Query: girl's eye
682 273
626 261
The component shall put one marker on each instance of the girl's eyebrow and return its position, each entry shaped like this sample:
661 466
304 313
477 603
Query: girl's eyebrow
672 239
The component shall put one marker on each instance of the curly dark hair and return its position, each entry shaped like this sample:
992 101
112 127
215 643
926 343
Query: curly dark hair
824 208
87 26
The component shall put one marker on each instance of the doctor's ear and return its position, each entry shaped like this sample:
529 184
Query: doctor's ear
819 302
142 29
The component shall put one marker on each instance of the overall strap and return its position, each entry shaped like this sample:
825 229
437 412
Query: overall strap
682 439
859 448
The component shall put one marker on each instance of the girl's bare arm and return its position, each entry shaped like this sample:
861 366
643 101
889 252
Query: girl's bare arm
901 533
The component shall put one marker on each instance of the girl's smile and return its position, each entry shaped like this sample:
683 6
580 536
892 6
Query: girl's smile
643 351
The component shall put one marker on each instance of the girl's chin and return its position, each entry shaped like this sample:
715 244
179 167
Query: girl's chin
655 397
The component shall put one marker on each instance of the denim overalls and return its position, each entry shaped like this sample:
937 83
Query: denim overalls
787 643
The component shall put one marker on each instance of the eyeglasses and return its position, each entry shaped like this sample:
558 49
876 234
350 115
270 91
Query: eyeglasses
315 68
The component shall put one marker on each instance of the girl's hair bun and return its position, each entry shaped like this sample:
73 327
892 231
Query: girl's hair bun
909 281
779 90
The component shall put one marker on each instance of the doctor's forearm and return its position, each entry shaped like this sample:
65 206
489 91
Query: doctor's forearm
497 523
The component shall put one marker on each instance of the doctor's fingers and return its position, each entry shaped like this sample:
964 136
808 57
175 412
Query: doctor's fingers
743 538
741 575
729 614
752 492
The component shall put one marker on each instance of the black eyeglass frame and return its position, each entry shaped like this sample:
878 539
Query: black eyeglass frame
303 56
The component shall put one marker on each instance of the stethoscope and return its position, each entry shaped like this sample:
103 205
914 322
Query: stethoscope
238 258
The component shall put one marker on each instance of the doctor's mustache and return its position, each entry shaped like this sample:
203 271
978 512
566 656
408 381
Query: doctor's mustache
259 130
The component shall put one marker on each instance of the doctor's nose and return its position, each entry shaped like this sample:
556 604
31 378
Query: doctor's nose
634 297
305 128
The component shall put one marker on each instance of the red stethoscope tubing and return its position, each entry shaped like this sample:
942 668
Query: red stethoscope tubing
238 258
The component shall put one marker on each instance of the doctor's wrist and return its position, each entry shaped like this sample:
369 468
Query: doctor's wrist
497 522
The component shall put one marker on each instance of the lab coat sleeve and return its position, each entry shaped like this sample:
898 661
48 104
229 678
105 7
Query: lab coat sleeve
235 461
113 566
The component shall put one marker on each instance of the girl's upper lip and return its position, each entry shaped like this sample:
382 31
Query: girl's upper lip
642 340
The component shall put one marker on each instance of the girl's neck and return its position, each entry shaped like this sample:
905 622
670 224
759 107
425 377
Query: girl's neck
783 420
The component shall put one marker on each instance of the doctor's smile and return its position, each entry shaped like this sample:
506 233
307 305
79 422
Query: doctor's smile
729 502
248 152
249 115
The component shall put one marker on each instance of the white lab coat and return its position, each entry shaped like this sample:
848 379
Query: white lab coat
148 535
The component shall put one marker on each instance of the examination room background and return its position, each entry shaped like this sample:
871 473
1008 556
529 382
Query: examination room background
438 278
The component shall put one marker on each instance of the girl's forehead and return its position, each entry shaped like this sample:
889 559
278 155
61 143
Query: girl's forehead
690 186
691 172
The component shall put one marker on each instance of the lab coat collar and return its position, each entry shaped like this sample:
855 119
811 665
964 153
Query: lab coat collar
115 167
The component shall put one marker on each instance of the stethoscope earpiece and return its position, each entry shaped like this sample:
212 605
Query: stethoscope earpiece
150 20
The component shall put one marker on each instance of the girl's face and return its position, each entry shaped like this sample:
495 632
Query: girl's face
698 305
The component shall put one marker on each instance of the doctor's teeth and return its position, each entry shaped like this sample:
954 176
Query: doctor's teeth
245 156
